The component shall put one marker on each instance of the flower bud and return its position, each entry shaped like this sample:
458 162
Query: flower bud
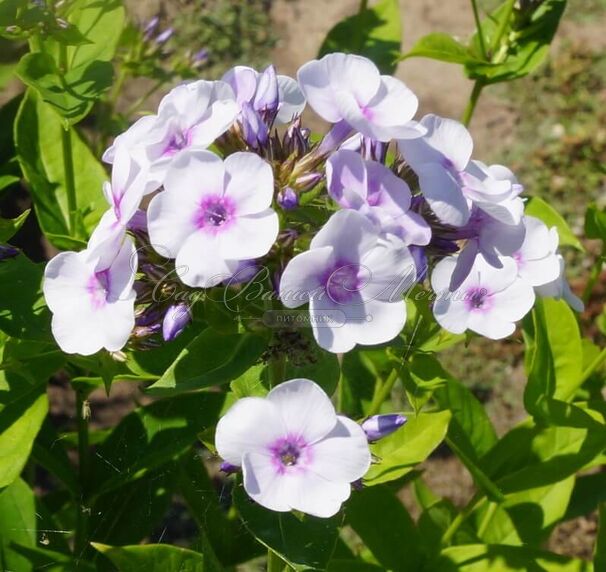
7 251
254 130
379 426
228 468
266 98
288 199
175 320
151 27
163 37
308 181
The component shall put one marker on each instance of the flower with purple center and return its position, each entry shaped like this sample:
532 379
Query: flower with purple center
296 453
372 189
213 214
92 304
353 279
451 182
489 301
349 88
191 116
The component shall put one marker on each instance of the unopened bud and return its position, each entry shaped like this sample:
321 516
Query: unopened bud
288 199
7 251
379 426
175 320
228 468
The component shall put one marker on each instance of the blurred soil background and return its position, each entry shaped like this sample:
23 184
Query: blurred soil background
549 128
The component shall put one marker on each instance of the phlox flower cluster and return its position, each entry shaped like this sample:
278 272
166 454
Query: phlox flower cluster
224 180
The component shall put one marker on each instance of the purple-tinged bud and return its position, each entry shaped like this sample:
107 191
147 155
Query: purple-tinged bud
228 468
337 134
201 56
308 181
254 130
420 259
163 37
175 320
374 150
357 485
246 270
148 316
151 27
145 331
266 97
7 251
138 221
288 199
379 426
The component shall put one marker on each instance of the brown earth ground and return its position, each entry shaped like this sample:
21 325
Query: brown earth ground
442 88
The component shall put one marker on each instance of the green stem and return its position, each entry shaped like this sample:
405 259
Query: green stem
475 502
502 26
476 16
363 6
81 537
274 562
383 393
596 270
70 182
478 86
277 367
492 507
594 365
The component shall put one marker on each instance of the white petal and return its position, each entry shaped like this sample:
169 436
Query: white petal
243 80
249 182
346 171
194 174
445 139
384 321
199 262
218 119
514 302
65 279
250 236
443 194
343 455
292 100
252 424
116 320
451 313
302 277
312 494
490 325
328 322
122 272
76 331
305 409
264 484
349 233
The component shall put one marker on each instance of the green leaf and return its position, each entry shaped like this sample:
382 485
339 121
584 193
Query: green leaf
531 456
101 23
23 408
52 561
595 222
589 491
497 558
399 453
556 330
38 131
375 33
153 558
230 540
23 313
71 95
321 366
131 512
302 542
9 227
8 11
210 359
442 47
151 436
528 37
526 517
538 208
599 560
384 525
17 525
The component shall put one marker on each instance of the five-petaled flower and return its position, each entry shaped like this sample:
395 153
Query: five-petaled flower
296 453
